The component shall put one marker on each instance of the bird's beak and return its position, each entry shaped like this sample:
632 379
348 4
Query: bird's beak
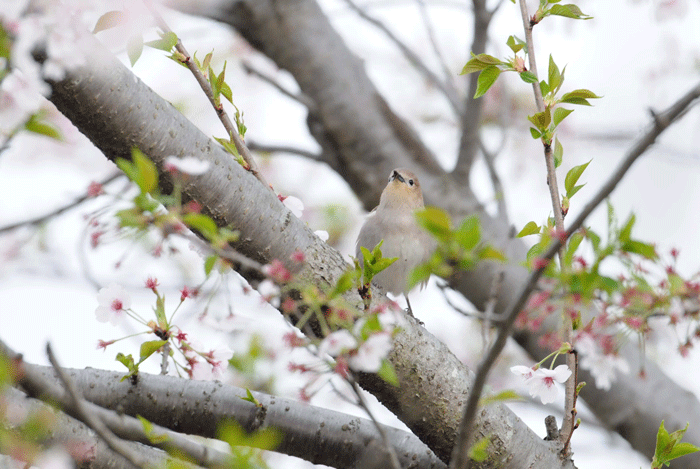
396 175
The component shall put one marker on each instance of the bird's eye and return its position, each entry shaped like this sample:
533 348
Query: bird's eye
410 182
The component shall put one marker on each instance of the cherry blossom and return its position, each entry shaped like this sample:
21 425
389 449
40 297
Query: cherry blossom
295 205
113 302
371 353
322 234
337 342
603 366
541 382
270 292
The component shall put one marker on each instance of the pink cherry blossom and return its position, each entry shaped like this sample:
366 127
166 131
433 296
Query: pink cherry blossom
371 353
337 342
113 302
541 382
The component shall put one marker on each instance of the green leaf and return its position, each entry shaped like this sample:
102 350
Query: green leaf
147 173
486 79
148 348
479 62
515 44
503 396
209 263
109 20
202 223
226 91
387 373
560 114
35 125
468 234
418 275
638 247
489 252
479 451
554 79
528 77
558 152
436 221
579 97
669 446
134 47
345 282
626 231
544 87
128 362
250 398
529 229
159 311
166 42
569 11
535 133
572 178
149 430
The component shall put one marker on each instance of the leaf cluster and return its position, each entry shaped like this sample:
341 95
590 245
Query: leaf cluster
458 248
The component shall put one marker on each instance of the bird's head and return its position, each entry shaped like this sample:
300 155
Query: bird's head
403 190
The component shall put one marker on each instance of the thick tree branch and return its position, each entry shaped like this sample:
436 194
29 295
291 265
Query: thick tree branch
72 433
38 385
233 196
299 38
199 407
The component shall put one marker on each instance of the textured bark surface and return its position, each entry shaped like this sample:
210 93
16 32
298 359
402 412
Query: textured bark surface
116 111
362 138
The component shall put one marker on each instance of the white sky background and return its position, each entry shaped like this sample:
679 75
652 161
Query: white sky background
627 54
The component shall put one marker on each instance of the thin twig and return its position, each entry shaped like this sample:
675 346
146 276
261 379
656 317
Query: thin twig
41 219
267 148
363 403
231 129
301 98
460 452
91 420
489 158
412 57
567 424
449 74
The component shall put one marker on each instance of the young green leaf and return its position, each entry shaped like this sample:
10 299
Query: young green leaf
201 223
528 77
560 114
37 126
535 133
143 172
569 11
558 152
529 229
250 398
626 231
209 263
166 42
554 76
579 97
387 373
468 234
150 347
436 221
486 79
479 62
572 178
515 44
643 249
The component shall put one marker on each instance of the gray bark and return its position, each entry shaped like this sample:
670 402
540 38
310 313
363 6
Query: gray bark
116 111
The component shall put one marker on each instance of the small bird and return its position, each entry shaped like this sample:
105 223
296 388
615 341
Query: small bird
393 221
